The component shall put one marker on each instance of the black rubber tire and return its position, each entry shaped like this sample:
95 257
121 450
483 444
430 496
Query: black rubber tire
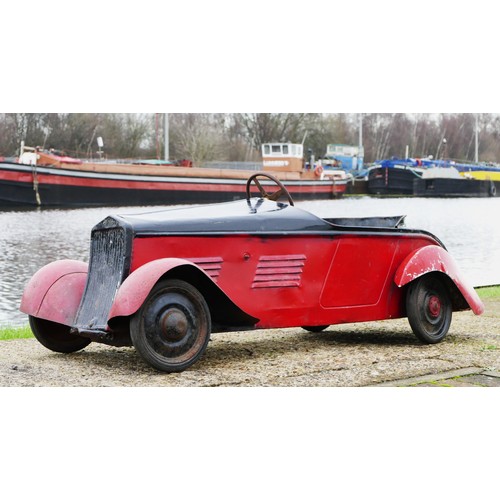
429 309
315 329
172 328
56 337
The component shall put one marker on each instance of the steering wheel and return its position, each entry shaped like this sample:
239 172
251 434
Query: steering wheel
269 196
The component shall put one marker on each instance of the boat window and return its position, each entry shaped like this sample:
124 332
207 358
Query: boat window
294 150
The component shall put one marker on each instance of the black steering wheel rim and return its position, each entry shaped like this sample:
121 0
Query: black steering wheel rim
264 194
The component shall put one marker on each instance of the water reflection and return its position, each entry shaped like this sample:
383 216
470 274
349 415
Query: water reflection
29 239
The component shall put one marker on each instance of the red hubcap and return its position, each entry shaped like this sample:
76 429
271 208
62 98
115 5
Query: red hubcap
434 306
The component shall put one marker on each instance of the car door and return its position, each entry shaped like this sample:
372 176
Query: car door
359 271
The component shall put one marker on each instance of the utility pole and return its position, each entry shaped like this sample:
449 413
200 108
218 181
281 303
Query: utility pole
165 130
477 139
360 131
361 153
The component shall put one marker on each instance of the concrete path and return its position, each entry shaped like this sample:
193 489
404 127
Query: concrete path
467 377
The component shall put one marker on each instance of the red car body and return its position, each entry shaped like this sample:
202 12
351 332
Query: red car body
163 281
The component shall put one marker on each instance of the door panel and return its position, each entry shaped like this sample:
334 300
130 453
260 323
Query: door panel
359 271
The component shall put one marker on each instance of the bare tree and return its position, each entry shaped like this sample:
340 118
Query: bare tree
274 127
238 136
196 136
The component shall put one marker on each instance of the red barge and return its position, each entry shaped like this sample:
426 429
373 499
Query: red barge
41 178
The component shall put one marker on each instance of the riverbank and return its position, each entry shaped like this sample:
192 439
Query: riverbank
354 355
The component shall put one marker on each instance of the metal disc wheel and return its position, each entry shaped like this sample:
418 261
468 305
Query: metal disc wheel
429 308
172 328
276 195
56 337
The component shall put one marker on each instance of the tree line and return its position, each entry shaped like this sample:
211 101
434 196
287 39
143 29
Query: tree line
203 137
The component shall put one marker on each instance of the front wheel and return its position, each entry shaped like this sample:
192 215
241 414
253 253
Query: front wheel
56 337
172 328
429 308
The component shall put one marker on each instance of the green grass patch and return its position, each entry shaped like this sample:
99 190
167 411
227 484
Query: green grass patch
10 333
489 292
490 348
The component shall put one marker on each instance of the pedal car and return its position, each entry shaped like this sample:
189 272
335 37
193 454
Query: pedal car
164 280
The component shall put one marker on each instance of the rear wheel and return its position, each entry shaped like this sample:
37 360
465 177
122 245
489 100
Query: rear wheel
56 337
429 308
172 328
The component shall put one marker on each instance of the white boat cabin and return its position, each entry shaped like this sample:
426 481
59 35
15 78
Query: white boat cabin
344 156
343 150
283 157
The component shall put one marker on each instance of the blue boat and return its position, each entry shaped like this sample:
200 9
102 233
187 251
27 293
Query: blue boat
436 178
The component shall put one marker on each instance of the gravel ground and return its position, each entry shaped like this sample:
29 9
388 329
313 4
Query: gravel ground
357 355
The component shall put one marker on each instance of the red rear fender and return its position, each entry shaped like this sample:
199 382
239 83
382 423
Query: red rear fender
54 292
433 258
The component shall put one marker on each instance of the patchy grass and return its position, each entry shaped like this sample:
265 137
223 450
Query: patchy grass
489 292
10 333
490 348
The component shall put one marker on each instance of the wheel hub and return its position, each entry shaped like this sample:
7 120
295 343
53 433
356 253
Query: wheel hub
434 306
174 325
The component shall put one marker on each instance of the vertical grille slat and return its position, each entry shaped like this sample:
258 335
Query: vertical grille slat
107 270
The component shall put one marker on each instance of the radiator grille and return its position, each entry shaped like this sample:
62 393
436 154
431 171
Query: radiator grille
277 271
106 272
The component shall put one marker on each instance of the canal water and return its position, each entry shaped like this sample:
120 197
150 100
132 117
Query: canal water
29 239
